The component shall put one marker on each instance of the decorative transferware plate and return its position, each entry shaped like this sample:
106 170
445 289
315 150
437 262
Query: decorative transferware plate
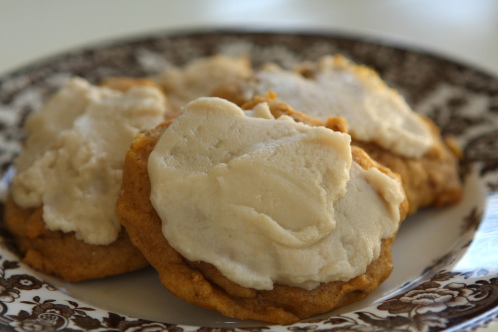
446 260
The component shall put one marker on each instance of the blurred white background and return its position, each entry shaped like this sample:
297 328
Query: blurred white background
466 30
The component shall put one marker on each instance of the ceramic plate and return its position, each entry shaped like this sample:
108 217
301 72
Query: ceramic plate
446 260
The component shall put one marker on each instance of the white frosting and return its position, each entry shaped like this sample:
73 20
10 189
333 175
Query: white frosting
73 160
374 112
58 114
199 77
268 201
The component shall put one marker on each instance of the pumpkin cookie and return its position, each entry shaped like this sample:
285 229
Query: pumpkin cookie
257 217
200 76
61 208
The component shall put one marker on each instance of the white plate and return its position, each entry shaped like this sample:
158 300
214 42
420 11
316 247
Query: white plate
446 260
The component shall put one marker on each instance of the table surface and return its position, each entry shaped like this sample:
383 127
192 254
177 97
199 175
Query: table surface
462 30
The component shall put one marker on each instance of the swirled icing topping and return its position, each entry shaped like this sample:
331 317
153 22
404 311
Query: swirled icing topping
268 200
374 112
73 159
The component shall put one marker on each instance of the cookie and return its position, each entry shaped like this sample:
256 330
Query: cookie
202 283
61 206
199 77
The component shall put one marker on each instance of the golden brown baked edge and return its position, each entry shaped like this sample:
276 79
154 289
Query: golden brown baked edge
61 254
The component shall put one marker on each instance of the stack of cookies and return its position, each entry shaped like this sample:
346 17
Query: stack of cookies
265 194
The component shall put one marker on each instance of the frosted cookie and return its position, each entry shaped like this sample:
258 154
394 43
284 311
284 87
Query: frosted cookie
378 119
200 76
257 217
61 208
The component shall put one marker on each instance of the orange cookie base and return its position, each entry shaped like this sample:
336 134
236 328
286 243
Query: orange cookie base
63 255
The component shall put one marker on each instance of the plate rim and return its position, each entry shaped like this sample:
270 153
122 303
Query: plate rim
345 34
